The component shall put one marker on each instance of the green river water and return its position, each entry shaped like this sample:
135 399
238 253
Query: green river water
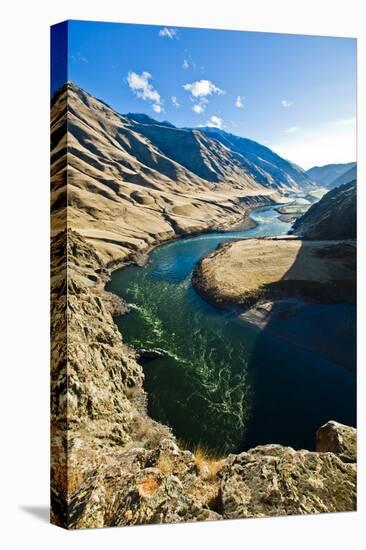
225 384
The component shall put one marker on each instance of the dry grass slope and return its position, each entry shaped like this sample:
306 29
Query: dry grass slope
245 271
124 192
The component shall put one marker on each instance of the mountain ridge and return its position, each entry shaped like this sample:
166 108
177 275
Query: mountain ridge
346 177
328 174
246 158
124 193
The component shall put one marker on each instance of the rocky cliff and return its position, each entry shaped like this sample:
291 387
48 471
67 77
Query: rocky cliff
333 217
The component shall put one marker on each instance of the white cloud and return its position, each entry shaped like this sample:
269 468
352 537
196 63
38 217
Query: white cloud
175 101
286 103
157 108
291 130
198 108
333 142
185 64
202 88
215 122
239 103
142 88
169 33
199 91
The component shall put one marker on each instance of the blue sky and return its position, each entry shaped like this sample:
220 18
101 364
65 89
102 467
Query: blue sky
296 94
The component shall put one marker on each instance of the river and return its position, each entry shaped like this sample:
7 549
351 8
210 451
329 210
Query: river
224 384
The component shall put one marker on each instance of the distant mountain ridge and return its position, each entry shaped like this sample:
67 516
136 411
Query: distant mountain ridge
146 119
330 175
263 160
197 149
346 177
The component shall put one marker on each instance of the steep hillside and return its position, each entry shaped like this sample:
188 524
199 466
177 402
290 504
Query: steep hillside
269 168
333 217
327 175
133 183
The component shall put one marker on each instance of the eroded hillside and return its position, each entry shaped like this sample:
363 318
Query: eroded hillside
130 185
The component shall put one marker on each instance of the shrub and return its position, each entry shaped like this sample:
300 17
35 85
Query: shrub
207 465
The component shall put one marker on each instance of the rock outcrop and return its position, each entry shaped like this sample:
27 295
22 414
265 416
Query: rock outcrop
336 438
273 480
333 217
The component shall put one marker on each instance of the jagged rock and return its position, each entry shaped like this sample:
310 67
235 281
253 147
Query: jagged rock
337 438
273 480
147 354
150 497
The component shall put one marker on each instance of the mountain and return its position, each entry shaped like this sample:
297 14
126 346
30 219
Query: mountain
200 150
328 175
268 167
133 181
346 177
146 119
333 217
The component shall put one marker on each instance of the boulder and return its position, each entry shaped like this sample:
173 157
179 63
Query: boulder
337 438
273 480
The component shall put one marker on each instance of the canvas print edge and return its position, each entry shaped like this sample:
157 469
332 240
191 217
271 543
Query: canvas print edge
112 464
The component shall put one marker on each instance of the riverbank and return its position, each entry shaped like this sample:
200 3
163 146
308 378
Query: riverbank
240 222
248 272
281 284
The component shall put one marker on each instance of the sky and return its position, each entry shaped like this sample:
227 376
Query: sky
295 94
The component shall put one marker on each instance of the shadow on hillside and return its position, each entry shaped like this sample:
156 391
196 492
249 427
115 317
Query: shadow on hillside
303 367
